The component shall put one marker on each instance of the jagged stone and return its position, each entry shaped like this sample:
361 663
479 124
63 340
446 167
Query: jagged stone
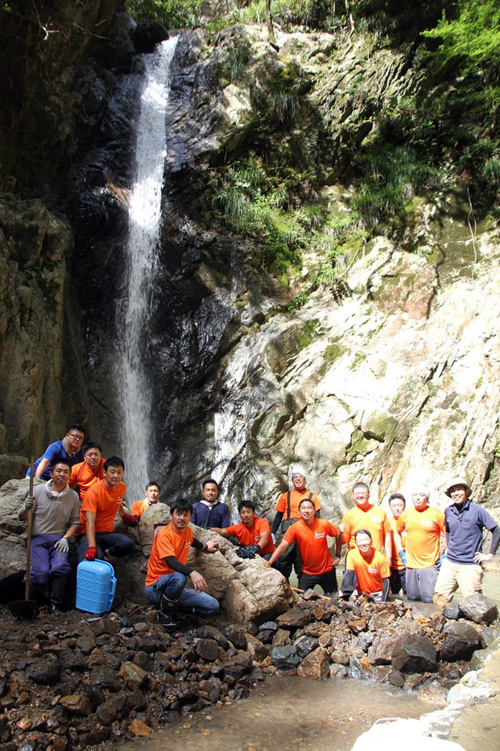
210 632
207 649
382 648
315 665
76 704
295 618
285 658
111 708
106 678
459 642
256 649
452 611
133 675
414 653
479 609
45 672
305 644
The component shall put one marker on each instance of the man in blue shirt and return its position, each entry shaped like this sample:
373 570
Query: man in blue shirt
209 512
69 449
464 522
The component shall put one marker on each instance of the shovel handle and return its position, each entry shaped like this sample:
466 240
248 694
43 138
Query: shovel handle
28 541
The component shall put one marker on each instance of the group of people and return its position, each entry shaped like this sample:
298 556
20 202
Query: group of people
422 551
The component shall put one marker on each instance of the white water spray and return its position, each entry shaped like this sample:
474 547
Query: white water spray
142 258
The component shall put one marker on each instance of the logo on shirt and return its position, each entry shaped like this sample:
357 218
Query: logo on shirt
317 535
428 523
372 570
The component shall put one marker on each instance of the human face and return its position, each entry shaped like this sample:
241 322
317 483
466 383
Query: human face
210 492
364 544
458 495
93 458
60 475
361 496
113 476
307 511
247 515
420 501
397 507
152 494
180 519
74 438
299 482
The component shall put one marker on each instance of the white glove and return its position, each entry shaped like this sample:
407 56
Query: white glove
62 545
29 502
273 536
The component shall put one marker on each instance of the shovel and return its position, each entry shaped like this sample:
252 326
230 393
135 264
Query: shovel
27 608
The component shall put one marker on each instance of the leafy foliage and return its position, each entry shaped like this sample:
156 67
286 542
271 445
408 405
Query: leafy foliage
173 14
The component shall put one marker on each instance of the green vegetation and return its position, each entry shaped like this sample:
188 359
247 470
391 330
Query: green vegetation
334 351
173 14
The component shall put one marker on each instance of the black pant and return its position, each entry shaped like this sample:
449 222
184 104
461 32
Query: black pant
328 581
398 580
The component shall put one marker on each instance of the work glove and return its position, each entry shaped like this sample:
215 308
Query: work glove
273 537
441 559
132 521
402 555
249 551
29 502
62 545
91 554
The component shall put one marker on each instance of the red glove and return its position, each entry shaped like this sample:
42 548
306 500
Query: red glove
132 521
91 554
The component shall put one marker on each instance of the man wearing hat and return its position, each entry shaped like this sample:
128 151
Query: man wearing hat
287 513
423 526
465 522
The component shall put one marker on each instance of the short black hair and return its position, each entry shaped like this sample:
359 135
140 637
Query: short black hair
153 482
363 532
91 445
76 426
247 504
211 481
114 461
181 504
59 460
306 500
394 496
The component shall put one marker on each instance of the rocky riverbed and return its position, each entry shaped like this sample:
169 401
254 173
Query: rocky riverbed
76 680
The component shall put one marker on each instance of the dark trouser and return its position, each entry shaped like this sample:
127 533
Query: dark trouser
173 586
420 583
49 568
291 556
114 543
328 581
398 580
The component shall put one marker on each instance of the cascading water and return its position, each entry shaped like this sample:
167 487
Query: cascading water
142 257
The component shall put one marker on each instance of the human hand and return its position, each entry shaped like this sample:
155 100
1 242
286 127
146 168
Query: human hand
198 581
91 554
336 560
132 521
62 545
29 502
212 546
341 527
482 557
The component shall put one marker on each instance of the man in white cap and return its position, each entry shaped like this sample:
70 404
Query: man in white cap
464 522
287 513
423 526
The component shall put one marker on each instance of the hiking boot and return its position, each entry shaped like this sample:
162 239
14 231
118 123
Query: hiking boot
167 620
167 605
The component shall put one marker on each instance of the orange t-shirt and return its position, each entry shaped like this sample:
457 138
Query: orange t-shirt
296 496
312 544
423 533
168 541
251 536
104 502
139 507
84 477
396 562
374 519
369 571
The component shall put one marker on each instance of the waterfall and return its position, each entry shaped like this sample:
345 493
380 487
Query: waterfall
142 258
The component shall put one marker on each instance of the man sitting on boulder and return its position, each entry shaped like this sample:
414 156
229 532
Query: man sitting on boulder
209 512
69 448
56 514
253 534
97 515
367 570
152 495
310 534
91 470
168 573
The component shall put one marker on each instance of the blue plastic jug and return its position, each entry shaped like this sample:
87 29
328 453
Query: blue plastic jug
95 586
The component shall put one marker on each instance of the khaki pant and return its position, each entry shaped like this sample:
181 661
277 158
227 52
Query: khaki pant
454 575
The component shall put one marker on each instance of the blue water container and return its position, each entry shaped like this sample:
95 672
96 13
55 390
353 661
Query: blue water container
95 586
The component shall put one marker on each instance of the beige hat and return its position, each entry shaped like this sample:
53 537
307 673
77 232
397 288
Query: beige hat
457 481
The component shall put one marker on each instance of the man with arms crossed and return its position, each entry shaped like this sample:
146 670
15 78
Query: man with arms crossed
209 512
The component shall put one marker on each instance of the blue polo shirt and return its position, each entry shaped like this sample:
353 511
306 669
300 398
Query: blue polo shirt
216 516
56 451
464 529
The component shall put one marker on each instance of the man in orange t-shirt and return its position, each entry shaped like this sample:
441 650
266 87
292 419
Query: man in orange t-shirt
367 570
97 515
152 495
397 504
366 516
424 526
168 573
253 533
310 535
91 470
287 513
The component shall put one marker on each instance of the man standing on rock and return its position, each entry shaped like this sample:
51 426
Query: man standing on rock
152 495
367 570
168 573
397 504
56 515
287 513
465 522
209 512
366 516
253 533
91 470
97 515
69 448
310 535
423 526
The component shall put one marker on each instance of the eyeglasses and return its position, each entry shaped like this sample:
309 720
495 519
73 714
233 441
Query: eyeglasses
77 437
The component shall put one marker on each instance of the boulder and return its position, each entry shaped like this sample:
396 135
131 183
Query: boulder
382 648
414 654
479 609
285 658
460 641
315 665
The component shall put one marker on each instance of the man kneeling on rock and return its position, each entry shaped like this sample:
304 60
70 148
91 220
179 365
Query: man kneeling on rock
367 570
168 573
253 534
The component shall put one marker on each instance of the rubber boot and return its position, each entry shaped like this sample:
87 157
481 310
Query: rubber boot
167 611
57 590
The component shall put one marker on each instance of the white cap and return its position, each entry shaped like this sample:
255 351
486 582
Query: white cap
419 487
298 470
